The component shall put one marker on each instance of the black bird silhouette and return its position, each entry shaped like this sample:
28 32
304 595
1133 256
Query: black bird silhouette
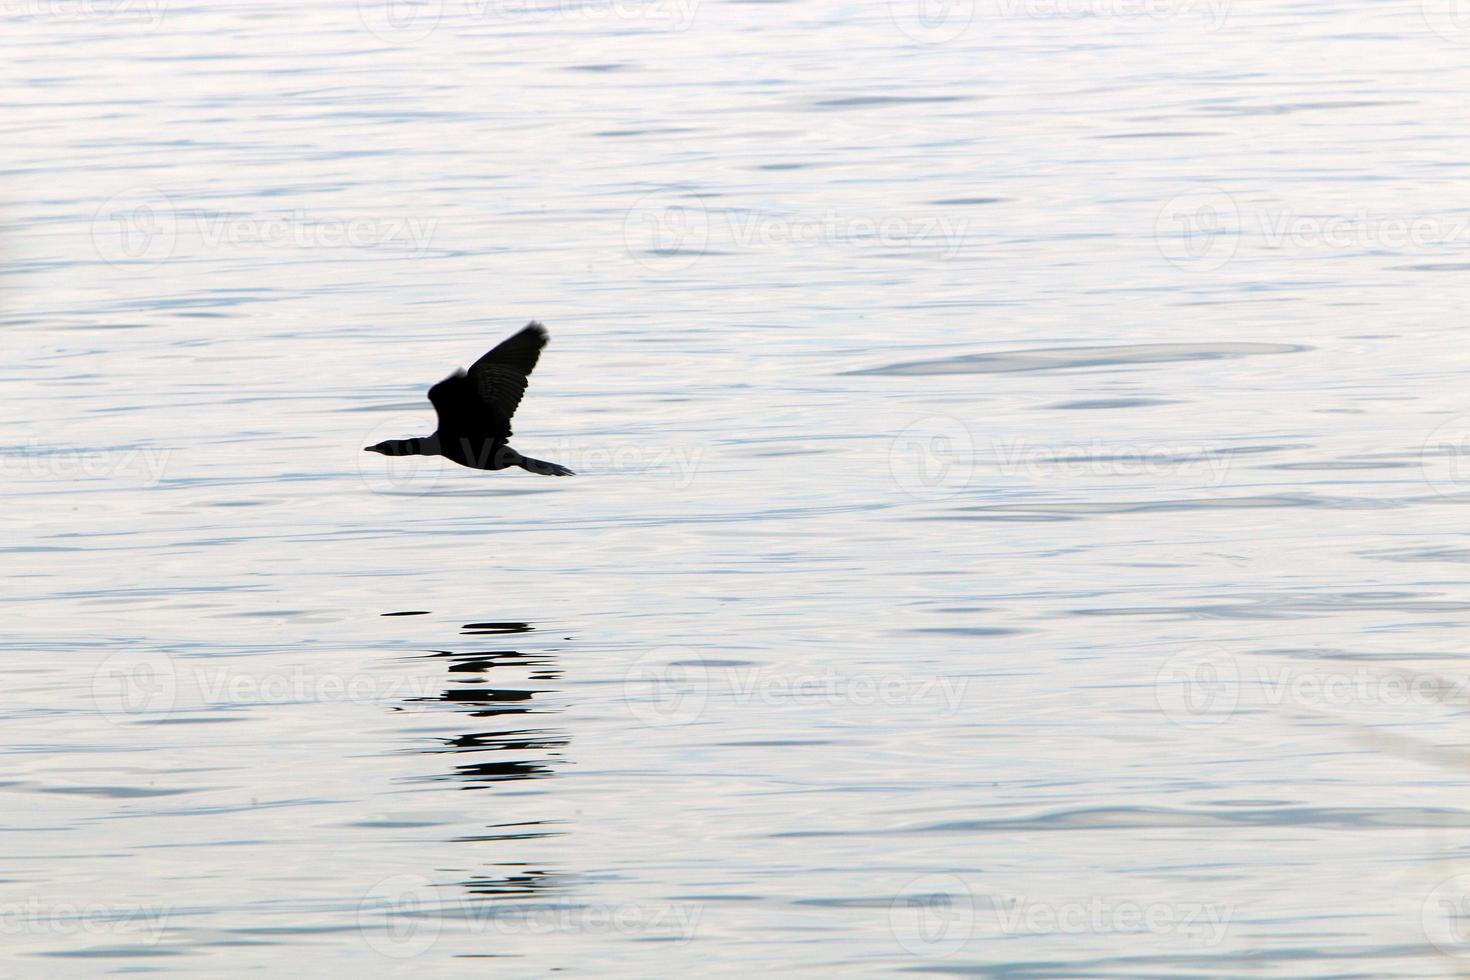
475 409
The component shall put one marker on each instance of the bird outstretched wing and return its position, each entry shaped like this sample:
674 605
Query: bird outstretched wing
482 401
500 376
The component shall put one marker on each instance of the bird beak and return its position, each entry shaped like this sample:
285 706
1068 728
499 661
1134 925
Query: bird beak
369 449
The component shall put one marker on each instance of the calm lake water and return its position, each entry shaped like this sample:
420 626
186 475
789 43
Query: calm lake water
1021 522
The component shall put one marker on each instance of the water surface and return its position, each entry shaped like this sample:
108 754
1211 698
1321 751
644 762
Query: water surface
1019 522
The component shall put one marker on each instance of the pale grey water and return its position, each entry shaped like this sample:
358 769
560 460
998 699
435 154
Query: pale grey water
1020 525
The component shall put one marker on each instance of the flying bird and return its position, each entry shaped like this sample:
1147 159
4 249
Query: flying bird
475 408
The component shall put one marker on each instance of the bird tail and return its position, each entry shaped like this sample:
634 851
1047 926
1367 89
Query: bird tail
542 467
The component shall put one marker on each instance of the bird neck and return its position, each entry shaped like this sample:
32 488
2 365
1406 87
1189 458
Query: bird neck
413 447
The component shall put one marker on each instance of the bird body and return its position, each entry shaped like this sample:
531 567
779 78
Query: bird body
475 408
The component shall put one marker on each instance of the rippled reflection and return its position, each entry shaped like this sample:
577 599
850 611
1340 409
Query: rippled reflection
526 883
498 684
475 689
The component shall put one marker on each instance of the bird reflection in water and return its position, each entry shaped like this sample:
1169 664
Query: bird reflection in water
527 883
501 685
536 749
